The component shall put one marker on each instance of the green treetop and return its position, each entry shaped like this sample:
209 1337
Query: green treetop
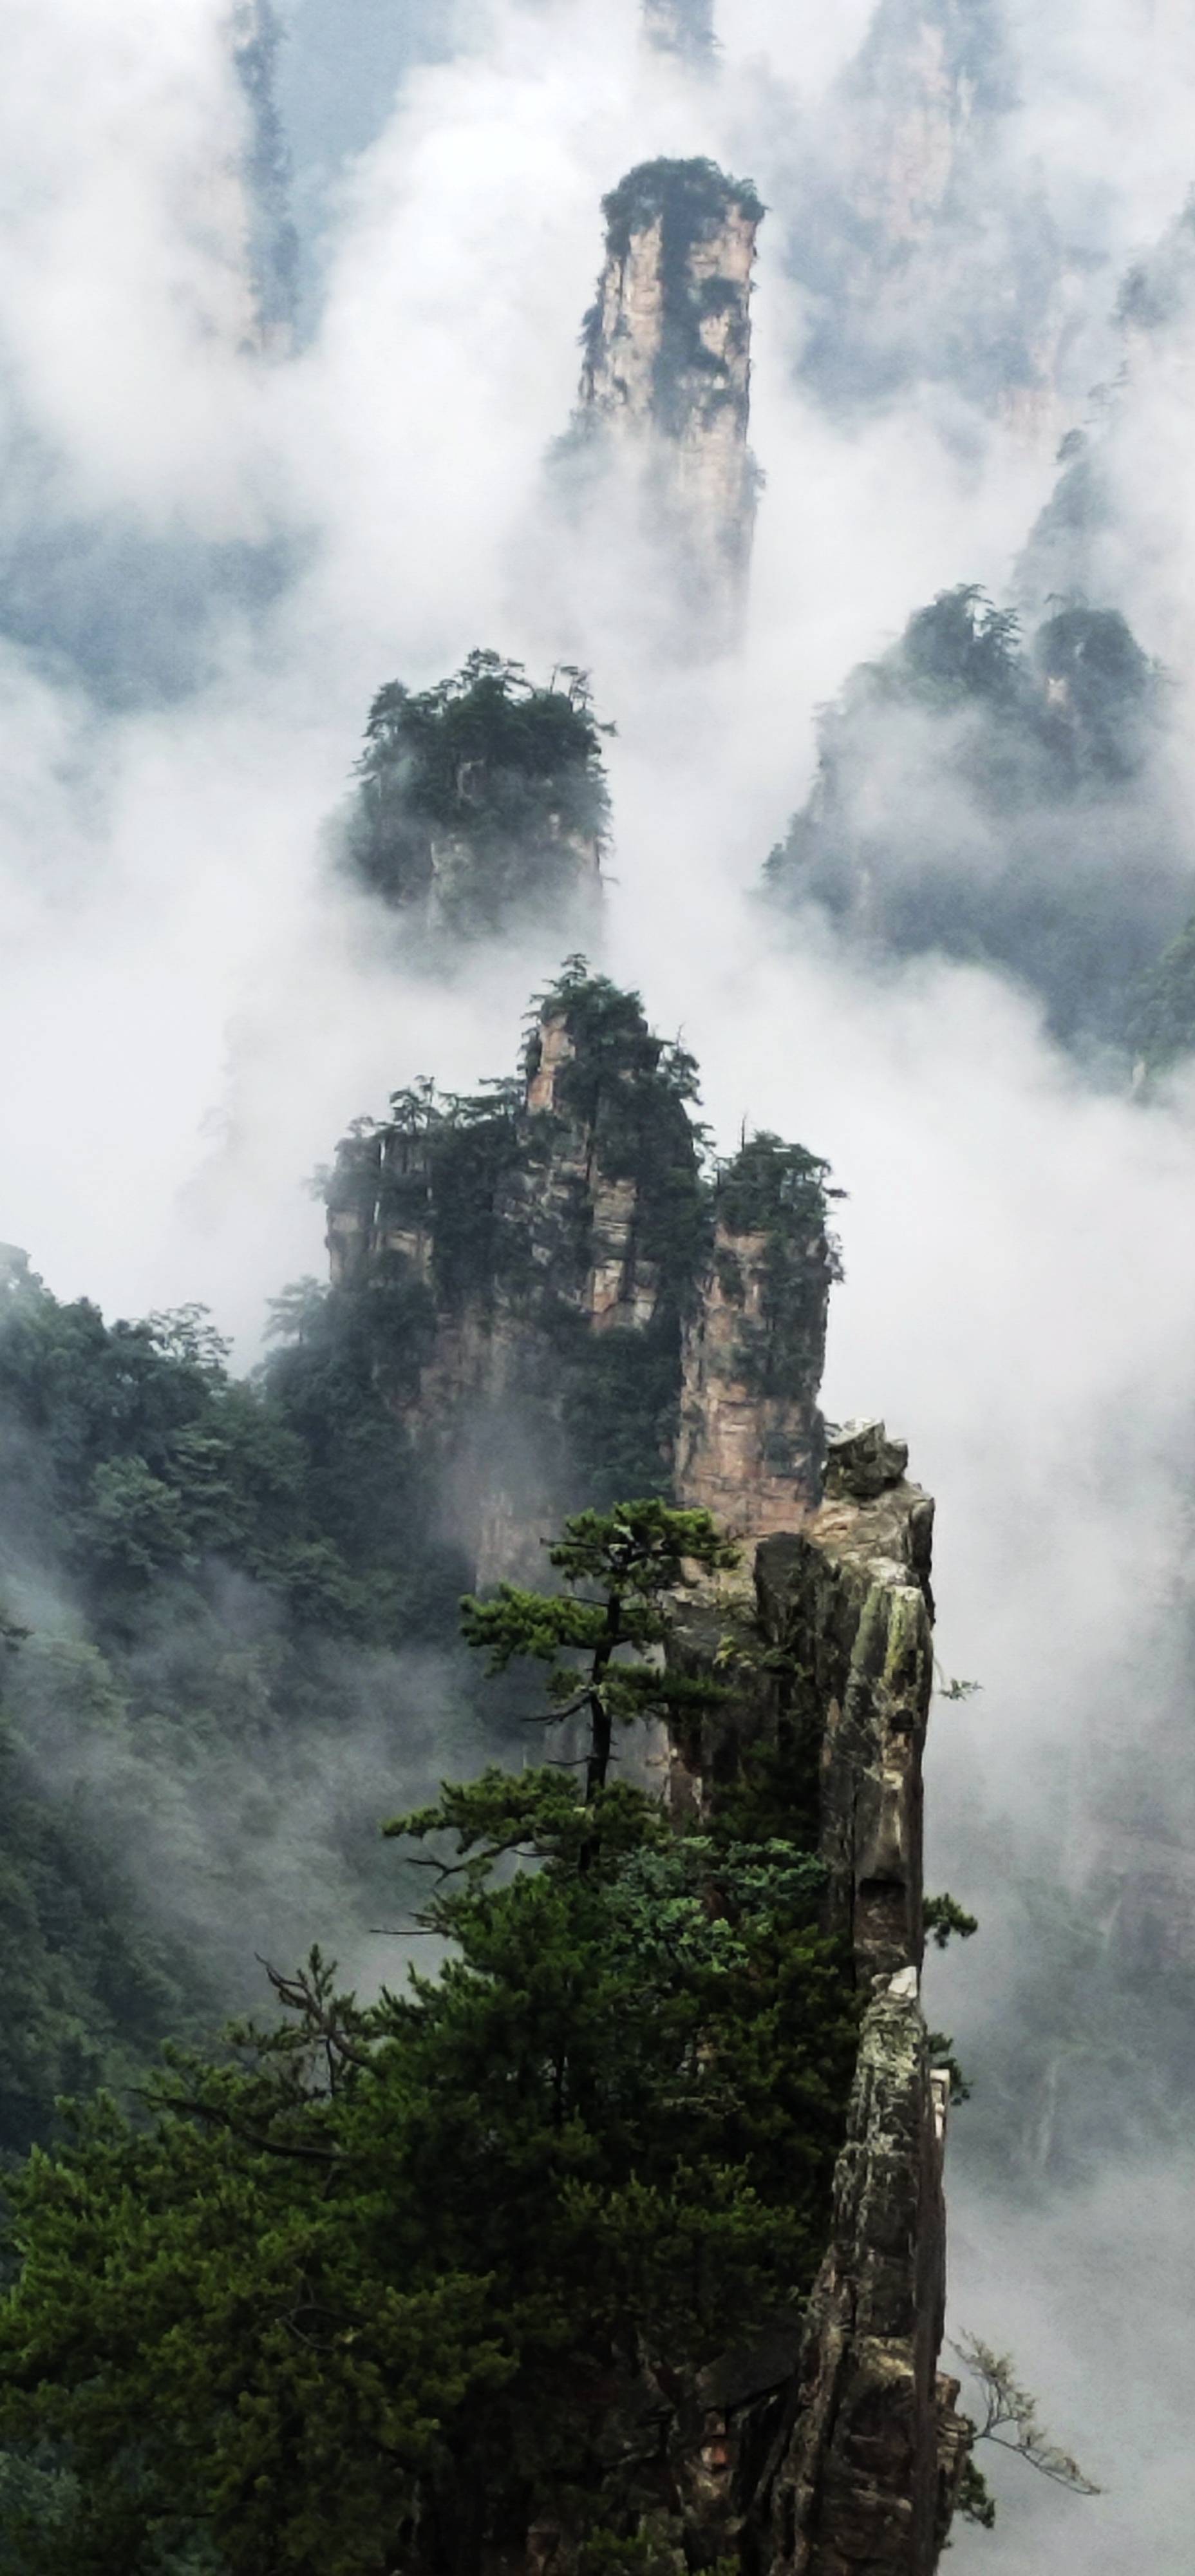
360 2295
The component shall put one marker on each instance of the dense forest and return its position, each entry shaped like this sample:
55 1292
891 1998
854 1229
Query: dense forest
434 2243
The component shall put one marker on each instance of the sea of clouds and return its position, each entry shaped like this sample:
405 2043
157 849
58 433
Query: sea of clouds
210 559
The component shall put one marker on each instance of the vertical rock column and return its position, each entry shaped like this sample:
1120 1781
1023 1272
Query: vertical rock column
751 1437
868 2474
848 2463
667 370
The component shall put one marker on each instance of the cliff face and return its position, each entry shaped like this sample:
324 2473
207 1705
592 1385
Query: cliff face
584 1316
933 74
667 370
848 2456
750 1447
550 1231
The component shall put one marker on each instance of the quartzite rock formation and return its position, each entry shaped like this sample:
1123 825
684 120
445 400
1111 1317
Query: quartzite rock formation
594 1317
845 2454
667 372
572 1267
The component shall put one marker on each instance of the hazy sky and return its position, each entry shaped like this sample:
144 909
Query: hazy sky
210 563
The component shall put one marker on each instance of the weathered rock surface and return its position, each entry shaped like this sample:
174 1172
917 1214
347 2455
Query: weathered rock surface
602 1285
667 372
827 2446
857 2485
845 1598
850 2459
751 1439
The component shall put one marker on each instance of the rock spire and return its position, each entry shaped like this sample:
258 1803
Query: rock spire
666 379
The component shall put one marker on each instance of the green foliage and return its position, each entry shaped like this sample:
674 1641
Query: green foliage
91 1984
489 768
375 2270
976 2503
782 1193
941 2048
635 1555
693 198
214 1545
949 1686
944 1916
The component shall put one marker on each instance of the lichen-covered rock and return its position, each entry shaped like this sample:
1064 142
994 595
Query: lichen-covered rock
858 2489
862 1462
850 2461
846 1599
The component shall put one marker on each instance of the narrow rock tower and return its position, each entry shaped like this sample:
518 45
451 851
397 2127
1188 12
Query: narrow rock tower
667 371
271 243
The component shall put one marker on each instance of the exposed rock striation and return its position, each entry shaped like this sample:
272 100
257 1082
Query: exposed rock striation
541 1242
751 1433
666 381
848 2458
580 1315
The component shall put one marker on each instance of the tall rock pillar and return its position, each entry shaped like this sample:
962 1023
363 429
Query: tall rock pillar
667 372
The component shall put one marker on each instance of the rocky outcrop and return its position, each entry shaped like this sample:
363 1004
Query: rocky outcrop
845 2455
667 374
544 1270
846 1600
750 1446
535 1253
930 78
564 1311
922 254
873 2440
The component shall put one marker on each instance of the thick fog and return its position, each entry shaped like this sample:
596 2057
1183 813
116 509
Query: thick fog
215 551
